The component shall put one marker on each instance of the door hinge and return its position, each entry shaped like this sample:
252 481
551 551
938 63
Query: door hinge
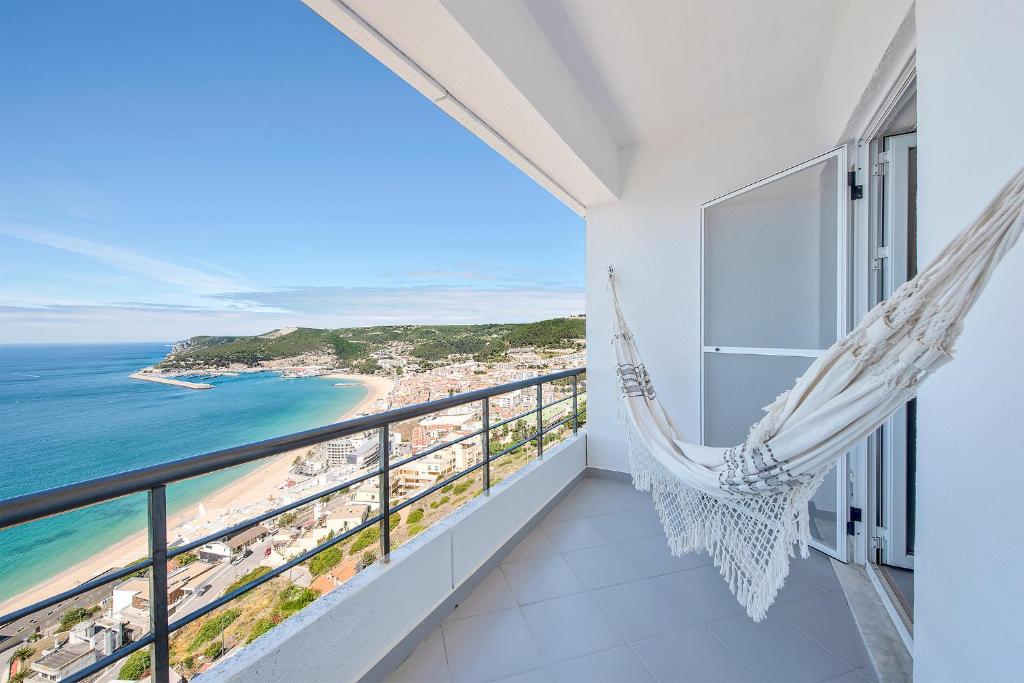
881 253
856 191
879 538
879 167
856 515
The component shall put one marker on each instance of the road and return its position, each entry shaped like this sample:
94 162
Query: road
17 632
225 575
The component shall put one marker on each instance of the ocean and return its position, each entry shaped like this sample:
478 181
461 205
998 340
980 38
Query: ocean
70 413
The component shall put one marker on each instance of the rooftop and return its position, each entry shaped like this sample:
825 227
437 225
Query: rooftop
59 659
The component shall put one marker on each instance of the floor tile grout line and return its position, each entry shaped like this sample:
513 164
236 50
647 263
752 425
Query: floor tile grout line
444 649
815 640
631 643
733 652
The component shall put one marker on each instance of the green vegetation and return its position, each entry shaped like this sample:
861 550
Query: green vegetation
438 503
394 520
293 598
259 628
323 562
415 529
135 665
414 517
353 346
246 578
76 615
462 487
186 559
214 650
213 627
287 519
366 537
369 557
24 652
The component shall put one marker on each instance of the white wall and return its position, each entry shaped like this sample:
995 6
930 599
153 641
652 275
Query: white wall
850 87
652 237
969 565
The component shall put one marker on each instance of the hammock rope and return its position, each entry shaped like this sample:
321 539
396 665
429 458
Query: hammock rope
748 505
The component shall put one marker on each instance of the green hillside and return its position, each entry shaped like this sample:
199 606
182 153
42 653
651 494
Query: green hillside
353 346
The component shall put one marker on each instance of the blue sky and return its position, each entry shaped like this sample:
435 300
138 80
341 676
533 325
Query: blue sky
172 169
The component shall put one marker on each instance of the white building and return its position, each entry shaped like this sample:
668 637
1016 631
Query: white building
346 517
358 451
64 661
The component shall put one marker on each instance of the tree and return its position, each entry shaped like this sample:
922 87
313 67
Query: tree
135 666
187 558
24 652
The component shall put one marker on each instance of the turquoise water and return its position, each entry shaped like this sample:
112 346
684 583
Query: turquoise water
70 413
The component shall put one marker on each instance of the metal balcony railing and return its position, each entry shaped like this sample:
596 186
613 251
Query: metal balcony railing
155 479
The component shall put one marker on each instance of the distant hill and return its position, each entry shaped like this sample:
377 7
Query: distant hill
355 346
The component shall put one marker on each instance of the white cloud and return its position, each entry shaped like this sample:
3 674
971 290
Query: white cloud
193 280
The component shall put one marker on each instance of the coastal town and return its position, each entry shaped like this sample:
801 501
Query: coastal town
73 635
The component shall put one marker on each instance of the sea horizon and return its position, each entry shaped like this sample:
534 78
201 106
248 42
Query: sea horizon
70 412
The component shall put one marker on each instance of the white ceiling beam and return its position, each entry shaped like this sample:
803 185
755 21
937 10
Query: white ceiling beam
472 63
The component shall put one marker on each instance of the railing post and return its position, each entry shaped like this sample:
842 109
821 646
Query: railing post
385 493
575 407
486 444
540 421
158 583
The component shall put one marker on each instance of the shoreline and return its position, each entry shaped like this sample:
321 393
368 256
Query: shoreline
250 488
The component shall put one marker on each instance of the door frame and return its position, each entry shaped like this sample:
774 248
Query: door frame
892 444
867 216
844 309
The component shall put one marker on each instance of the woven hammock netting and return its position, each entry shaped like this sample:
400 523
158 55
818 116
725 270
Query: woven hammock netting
747 505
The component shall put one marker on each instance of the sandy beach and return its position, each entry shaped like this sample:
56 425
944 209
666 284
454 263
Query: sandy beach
253 487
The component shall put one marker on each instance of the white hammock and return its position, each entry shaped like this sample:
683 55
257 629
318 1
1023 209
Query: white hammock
747 505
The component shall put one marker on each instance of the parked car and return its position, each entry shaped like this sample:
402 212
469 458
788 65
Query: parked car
202 589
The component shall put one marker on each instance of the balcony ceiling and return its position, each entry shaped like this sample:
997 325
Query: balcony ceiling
560 87
653 70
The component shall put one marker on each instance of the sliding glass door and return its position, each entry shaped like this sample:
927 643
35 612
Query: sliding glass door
774 290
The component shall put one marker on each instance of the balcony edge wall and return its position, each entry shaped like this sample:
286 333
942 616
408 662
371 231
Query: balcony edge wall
365 628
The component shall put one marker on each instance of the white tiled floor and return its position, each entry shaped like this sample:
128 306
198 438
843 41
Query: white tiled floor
593 594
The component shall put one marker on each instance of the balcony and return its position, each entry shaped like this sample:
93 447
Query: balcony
559 571
593 594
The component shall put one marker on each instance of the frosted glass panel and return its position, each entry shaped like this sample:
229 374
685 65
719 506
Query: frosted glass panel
770 263
736 389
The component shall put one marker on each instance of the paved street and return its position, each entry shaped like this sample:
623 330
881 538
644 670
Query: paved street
223 576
